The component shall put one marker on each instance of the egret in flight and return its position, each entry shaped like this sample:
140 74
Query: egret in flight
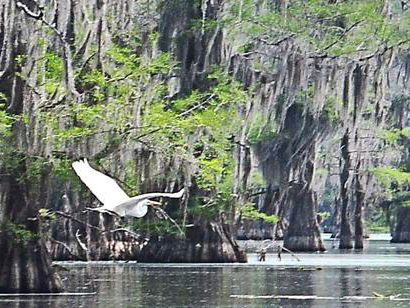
113 198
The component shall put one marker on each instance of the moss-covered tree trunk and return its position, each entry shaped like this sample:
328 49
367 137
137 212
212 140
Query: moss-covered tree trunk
209 242
25 265
401 233
303 233
358 213
345 227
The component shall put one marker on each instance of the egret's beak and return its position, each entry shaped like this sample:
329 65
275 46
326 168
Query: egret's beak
154 202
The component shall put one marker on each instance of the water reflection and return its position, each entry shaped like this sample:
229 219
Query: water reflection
340 280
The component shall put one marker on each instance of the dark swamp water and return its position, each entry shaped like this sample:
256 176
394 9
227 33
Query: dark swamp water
332 279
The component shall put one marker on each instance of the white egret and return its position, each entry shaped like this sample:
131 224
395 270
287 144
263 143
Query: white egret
110 194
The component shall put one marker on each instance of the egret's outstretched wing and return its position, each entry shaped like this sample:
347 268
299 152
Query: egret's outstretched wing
128 204
103 187
178 194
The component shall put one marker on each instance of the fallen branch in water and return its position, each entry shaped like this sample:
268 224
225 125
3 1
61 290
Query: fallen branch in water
280 248
287 250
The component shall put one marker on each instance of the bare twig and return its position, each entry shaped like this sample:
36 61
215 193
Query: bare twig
120 78
196 106
154 130
278 42
162 212
280 248
85 63
258 193
26 10
68 216
342 35
289 251
65 246
69 72
131 233
82 245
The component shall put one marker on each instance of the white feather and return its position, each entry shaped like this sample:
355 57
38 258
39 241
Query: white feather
110 194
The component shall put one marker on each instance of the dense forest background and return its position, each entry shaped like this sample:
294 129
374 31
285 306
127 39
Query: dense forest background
275 115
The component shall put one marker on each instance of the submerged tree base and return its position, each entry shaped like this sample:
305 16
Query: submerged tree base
210 242
26 268
402 232
304 243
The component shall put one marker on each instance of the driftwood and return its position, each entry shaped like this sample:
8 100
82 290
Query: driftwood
263 250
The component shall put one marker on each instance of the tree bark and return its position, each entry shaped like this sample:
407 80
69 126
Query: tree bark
25 265
345 228
209 242
402 232
359 228
303 233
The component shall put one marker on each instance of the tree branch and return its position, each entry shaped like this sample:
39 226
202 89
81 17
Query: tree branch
162 212
65 246
342 35
69 72
68 216
82 245
196 106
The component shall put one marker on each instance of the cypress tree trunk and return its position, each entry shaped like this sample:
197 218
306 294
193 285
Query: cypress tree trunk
359 229
402 232
25 265
345 228
303 233
205 242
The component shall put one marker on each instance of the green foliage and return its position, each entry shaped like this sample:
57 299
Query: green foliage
373 227
388 176
19 233
394 136
334 28
248 211
330 110
131 184
261 130
211 170
123 57
209 116
6 122
256 179
61 168
404 203
107 101
155 227
34 167
44 214
20 59
377 222
198 127
54 70
324 215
